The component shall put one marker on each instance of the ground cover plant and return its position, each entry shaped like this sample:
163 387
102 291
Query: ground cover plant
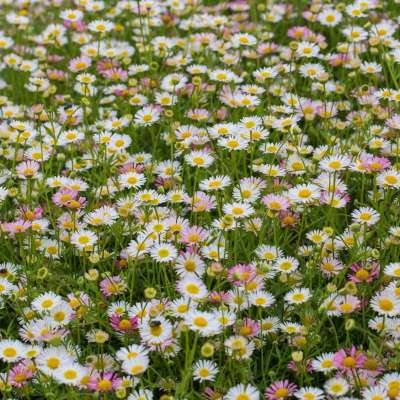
199 199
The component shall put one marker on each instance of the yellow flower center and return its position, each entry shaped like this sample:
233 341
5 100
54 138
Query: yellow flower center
391 179
327 364
245 330
362 274
156 330
349 362
386 304
182 308
70 374
198 160
204 372
137 369
125 324
190 265
9 352
298 297
59 316
282 392
335 164
53 363
83 240
200 321
147 118
19 377
346 307
304 193
163 253
47 303
104 385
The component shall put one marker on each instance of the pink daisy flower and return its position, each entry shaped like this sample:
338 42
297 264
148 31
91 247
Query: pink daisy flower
193 235
241 273
80 64
361 275
347 360
123 325
21 373
105 382
218 297
276 202
372 163
112 285
19 226
249 328
280 390
115 74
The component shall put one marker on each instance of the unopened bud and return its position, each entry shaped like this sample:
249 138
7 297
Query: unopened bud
297 356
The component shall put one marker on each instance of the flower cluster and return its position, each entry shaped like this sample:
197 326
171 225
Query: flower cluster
200 199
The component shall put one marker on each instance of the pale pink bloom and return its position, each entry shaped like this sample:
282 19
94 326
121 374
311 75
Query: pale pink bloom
104 382
276 202
373 163
347 360
19 226
79 64
21 373
193 235
27 169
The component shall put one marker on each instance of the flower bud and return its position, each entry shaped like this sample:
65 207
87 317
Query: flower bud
92 275
120 393
297 356
331 288
150 293
350 324
42 273
207 350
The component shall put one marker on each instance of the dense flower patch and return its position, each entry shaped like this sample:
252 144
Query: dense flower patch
199 199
